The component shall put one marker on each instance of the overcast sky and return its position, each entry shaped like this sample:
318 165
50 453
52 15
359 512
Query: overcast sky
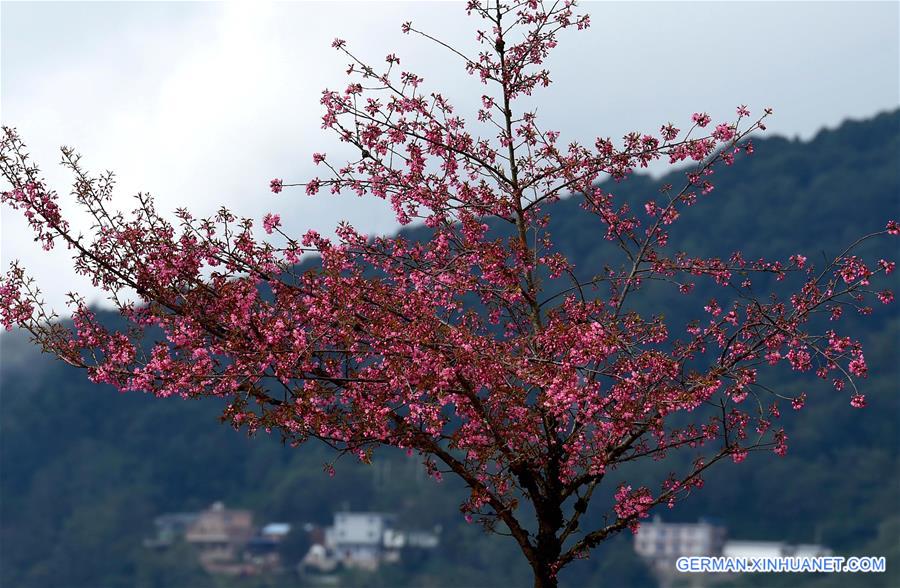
202 104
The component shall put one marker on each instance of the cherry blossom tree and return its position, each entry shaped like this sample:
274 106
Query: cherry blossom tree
485 352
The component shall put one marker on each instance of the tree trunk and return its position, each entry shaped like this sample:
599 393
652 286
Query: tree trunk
549 546
544 577
544 565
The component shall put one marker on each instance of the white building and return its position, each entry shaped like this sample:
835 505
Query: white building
357 538
365 540
660 544
666 542
769 549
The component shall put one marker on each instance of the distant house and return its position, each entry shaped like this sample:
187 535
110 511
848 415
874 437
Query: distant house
660 544
365 540
660 541
357 538
225 540
220 536
753 549
763 549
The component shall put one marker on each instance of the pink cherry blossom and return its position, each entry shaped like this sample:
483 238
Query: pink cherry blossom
486 354
701 119
271 222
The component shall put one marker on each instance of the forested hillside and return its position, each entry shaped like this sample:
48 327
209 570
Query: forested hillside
86 469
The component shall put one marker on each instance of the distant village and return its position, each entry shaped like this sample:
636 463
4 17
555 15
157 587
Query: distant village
227 542
660 544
